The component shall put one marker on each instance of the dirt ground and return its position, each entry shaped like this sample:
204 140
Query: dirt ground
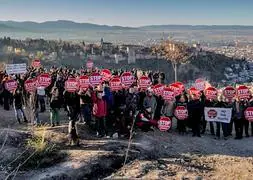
153 155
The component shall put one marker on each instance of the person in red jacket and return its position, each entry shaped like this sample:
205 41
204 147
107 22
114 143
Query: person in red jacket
100 112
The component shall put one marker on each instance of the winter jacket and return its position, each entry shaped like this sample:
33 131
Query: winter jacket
150 101
100 108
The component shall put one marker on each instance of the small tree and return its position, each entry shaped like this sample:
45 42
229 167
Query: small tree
175 52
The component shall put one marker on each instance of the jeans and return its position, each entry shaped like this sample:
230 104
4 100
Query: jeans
42 103
54 116
86 112
19 114
36 119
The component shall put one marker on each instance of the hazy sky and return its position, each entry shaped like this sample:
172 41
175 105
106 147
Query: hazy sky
131 12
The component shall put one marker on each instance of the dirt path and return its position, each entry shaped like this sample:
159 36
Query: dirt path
154 155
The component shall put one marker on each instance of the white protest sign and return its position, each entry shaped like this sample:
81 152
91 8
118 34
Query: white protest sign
218 114
15 68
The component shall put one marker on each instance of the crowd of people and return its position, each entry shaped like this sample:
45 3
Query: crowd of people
108 112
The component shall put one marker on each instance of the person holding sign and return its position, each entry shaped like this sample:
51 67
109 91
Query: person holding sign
150 101
195 109
18 105
181 114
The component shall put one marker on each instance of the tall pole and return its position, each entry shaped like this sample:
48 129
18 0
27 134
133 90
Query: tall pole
175 71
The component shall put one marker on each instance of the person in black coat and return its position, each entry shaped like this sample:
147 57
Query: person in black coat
195 110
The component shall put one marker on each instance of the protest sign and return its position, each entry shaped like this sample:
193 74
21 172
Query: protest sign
164 124
144 82
89 64
218 114
229 92
127 79
168 94
71 85
95 79
158 89
181 113
31 85
36 63
106 74
200 84
115 84
243 92
84 82
44 80
249 114
211 93
11 85
15 68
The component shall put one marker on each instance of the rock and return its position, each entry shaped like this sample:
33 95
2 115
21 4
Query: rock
115 136
199 178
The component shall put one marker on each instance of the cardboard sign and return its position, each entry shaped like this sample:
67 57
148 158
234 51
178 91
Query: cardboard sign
229 92
11 85
181 113
31 85
115 84
218 114
200 84
44 80
71 85
106 74
127 79
243 92
95 79
16 68
158 89
144 82
248 113
168 94
36 63
89 64
176 89
211 93
164 124
84 82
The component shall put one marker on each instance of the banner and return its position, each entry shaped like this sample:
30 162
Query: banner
218 114
164 124
44 80
15 68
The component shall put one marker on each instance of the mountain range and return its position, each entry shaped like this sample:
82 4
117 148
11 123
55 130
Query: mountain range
63 25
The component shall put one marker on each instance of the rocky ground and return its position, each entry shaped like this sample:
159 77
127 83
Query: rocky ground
153 155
